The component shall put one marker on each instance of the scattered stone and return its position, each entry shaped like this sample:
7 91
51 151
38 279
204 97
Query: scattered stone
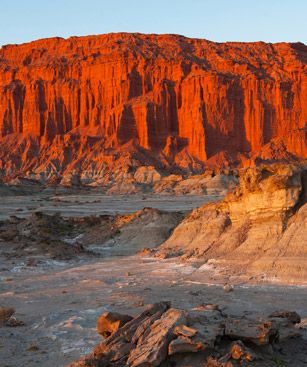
31 262
33 348
228 288
192 293
13 322
5 314
162 335
209 306
302 325
162 255
240 352
237 350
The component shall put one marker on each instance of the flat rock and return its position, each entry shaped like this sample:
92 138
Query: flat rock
185 345
152 347
257 332
185 331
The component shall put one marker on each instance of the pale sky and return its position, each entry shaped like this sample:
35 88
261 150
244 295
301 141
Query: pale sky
216 20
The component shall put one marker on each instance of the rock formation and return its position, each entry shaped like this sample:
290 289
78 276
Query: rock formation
83 107
260 228
165 336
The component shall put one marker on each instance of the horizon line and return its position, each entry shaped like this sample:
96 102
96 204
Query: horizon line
144 34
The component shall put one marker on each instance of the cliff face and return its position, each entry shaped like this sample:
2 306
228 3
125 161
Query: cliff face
260 227
174 98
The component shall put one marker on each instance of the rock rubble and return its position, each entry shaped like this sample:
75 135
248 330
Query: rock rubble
163 336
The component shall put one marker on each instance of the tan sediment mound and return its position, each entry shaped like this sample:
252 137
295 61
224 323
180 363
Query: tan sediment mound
260 228
202 336
129 233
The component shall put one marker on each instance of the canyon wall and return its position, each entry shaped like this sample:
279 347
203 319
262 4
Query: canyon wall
173 99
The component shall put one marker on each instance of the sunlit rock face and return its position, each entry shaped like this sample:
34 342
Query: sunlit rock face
259 227
74 104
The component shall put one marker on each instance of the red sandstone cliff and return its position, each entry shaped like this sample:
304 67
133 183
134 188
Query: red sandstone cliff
81 103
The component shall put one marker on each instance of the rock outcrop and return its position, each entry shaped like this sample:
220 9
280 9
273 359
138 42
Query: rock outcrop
163 336
260 228
84 107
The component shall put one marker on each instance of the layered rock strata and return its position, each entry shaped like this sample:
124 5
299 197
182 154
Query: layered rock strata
260 228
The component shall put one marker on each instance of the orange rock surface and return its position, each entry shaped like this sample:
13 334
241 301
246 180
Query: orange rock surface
77 103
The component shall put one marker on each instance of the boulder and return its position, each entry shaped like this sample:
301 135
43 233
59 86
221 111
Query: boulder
257 332
109 322
228 288
131 332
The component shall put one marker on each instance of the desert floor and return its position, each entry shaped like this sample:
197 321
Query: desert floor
59 301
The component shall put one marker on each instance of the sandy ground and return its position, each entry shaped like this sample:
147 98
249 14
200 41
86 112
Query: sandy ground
60 301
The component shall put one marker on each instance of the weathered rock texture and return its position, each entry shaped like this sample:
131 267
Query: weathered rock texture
163 336
76 106
260 228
